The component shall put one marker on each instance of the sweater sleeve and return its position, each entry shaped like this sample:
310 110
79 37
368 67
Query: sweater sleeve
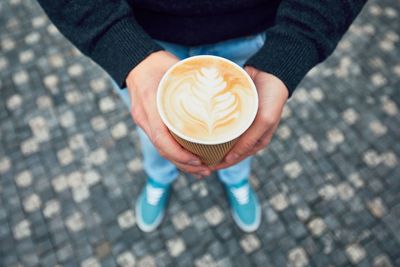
104 30
305 33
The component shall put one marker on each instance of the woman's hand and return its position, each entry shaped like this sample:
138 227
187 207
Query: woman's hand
142 83
272 94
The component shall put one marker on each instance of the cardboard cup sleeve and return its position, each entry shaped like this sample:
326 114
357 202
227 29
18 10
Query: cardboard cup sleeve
209 154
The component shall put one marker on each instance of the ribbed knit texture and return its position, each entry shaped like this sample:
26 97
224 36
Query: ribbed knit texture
305 33
104 30
119 34
121 48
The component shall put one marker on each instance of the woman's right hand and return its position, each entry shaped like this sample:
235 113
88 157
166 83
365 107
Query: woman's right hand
142 83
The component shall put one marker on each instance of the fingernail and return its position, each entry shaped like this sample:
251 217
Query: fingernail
194 162
231 157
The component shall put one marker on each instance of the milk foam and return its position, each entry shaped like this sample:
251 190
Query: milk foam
207 99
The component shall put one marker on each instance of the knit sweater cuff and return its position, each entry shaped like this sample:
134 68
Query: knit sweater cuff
287 55
121 48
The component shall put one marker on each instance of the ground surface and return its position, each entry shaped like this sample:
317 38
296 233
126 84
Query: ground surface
70 162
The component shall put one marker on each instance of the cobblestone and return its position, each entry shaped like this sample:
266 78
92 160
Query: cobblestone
147 261
376 207
298 257
71 166
74 222
214 215
126 219
317 226
205 261
32 203
175 247
24 179
51 208
250 243
293 169
181 220
356 253
382 261
22 230
279 202
126 259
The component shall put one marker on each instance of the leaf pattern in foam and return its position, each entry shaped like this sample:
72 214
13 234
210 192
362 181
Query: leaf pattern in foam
209 105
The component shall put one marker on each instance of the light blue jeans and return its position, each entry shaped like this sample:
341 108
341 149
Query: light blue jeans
238 50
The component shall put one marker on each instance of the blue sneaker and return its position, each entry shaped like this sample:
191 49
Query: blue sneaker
245 206
151 204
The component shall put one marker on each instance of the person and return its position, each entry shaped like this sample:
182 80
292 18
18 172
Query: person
136 41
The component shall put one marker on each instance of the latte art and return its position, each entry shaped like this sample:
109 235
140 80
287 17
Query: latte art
207 99
210 106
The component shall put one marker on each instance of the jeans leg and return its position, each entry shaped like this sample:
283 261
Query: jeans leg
122 93
236 173
160 169
155 166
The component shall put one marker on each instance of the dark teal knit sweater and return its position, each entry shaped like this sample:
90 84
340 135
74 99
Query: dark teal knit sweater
118 34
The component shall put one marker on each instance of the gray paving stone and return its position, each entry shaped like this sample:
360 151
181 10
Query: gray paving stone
214 215
317 226
126 219
49 259
279 202
297 229
71 166
225 262
181 220
126 259
155 244
382 261
139 248
64 253
147 261
223 232
298 257
90 262
176 246
185 259
355 253
102 250
250 243
205 260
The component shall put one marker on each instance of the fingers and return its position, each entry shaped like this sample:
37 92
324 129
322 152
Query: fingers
142 84
140 118
170 149
247 141
259 144
165 143
198 171
146 115
272 96
263 141
163 140
151 123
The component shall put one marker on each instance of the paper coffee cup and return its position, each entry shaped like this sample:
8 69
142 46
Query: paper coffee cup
211 150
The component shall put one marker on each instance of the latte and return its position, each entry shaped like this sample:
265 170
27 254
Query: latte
207 99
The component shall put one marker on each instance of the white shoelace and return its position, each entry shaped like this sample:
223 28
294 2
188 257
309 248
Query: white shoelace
241 194
154 194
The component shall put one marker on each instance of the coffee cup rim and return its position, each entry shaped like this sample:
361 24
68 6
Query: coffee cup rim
199 141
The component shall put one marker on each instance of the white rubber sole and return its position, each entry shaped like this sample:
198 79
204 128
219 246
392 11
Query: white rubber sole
248 228
143 226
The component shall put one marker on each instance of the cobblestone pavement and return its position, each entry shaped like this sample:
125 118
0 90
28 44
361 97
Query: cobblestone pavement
70 165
